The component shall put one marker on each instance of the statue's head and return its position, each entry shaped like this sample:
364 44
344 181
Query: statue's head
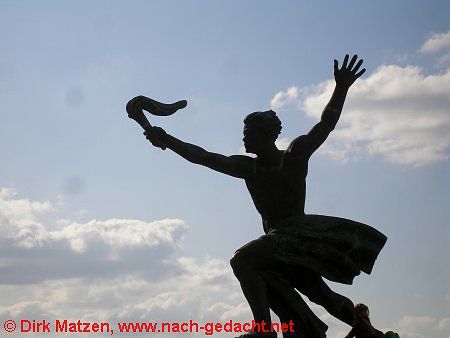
261 129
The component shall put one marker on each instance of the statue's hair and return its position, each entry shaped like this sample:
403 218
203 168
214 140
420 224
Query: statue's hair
266 121
361 306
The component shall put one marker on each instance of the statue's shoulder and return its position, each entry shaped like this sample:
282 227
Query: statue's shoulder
298 147
243 158
244 163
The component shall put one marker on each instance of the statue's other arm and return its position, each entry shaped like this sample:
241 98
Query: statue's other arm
345 77
236 165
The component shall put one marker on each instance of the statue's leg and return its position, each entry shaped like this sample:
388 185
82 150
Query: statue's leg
247 263
288 304
313 286
260 274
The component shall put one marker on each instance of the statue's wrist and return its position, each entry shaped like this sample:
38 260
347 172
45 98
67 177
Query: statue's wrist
342 87
168 140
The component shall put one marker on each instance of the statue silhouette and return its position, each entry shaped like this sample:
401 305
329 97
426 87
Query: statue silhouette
297 250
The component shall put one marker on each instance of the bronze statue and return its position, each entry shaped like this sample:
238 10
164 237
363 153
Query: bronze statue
297 250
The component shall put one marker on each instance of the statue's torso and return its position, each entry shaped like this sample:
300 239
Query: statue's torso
278 192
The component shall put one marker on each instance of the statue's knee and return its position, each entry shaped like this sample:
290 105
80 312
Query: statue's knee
237 263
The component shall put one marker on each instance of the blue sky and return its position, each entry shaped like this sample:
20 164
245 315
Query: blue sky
82 186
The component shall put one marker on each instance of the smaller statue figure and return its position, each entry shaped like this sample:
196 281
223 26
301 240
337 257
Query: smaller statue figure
363 328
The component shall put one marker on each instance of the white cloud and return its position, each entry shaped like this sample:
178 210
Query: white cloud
420 321
283 143
422 326
444 323
436 42
286 100
239 312
19 219
111 270
396 112
119 233
191 295
20 224
33 252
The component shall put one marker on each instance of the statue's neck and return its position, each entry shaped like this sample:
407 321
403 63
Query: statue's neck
269 156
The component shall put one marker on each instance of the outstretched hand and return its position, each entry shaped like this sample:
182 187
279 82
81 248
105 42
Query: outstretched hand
348 73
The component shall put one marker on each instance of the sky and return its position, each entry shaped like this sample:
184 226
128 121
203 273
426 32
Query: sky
97 225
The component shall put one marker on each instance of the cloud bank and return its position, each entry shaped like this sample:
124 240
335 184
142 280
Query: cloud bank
438 43
106 270
398 113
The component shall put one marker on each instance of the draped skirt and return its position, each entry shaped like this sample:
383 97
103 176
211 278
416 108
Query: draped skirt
335 248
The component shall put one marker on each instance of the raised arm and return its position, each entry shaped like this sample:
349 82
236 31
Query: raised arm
237 165
344 77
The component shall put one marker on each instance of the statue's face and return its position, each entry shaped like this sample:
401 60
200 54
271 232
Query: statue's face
255 140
